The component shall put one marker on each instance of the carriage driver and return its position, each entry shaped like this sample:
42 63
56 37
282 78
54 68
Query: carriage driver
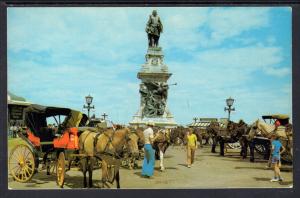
277 124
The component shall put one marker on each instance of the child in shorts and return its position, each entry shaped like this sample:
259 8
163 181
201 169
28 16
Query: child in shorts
275 157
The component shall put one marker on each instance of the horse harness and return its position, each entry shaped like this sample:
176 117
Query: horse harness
113 153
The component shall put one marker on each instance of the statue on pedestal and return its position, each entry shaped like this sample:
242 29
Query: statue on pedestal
153 28
154 77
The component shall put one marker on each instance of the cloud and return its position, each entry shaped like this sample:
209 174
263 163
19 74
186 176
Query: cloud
56 56
230 22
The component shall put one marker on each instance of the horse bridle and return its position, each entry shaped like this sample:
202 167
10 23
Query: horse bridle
110 139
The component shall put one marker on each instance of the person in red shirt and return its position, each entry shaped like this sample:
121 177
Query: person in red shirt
277 123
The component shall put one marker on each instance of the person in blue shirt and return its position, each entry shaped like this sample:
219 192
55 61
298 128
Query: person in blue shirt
277 150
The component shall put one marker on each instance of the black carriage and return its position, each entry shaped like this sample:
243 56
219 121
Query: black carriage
51 138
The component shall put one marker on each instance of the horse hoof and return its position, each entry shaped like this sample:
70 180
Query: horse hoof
162 168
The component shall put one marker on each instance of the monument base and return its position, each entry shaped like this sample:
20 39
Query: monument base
154 75
166 121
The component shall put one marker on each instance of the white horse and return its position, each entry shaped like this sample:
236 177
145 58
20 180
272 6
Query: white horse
161 144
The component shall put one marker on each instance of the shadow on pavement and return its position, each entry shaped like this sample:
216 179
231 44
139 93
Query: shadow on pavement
158 168
250 167
268 179
286 169
261 179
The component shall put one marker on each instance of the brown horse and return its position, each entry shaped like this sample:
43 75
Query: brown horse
160 144
131 160
231 134
178 136
107 147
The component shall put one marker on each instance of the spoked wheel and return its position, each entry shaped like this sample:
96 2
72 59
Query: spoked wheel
60 169
21 163
260 148
287 157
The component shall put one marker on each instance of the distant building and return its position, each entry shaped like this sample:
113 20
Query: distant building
16 106
223 120
203 123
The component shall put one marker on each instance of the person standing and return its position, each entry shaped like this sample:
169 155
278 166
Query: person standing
15 129
149 159
191 147
275 159
11 129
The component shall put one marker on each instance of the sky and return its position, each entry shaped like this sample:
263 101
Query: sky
57 56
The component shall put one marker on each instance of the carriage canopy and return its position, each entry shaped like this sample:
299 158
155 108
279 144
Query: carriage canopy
283 118
276 116
36 117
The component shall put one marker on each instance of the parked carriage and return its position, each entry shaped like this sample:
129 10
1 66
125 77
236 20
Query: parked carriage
262 143
54 147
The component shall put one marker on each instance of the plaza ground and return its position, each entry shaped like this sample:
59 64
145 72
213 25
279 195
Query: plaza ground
209 171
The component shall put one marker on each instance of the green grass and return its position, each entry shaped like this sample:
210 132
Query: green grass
12 142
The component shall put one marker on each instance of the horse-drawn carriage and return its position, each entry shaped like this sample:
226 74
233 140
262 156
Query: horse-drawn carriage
56 147
260 133
46 144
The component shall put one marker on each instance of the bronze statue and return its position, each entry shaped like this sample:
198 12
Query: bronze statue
153 28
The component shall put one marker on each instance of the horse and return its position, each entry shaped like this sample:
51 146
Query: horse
260 134
178 136
202 135
131 160
108 148
231 134
160 144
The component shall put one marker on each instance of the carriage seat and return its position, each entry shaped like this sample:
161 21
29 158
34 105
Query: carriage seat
68 140
46 134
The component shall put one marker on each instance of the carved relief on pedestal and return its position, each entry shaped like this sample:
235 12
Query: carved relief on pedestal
153 98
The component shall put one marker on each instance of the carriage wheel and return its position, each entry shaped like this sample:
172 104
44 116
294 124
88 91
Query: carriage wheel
287 156
60 169
21 163
260 148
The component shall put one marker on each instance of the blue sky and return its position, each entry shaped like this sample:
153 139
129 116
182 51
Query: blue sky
57 56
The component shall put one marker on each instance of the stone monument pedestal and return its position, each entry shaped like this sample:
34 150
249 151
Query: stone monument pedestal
154 75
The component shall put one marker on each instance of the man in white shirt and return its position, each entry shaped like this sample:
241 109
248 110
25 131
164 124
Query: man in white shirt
149 159
148 134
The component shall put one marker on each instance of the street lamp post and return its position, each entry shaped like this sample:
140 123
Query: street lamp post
229 103
88 100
